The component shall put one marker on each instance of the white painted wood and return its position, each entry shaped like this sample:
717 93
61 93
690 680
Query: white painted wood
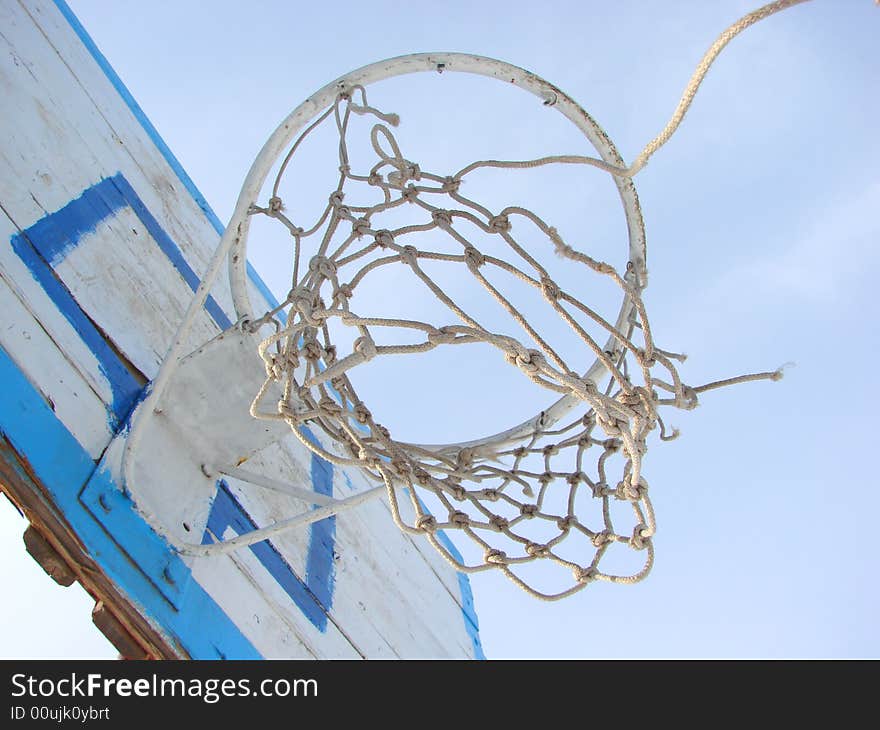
389 580
309 496
138 284
135 154
63 129
82 412
437 564
47 127
266 615
40 307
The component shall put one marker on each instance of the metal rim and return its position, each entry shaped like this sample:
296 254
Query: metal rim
235 236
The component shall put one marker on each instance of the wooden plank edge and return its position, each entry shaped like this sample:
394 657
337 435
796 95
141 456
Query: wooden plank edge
123 625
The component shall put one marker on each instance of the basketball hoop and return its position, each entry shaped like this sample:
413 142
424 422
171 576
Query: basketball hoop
587 445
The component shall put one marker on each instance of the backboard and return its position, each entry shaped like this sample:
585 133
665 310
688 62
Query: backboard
104 239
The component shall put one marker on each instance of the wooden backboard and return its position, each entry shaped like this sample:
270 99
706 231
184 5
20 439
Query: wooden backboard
103 238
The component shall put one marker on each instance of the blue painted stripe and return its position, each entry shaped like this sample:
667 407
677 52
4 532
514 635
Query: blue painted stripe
320 565
169 248
471 623
124 387
468 609
55 235
62 466
227 512
116 513
157 140
46 244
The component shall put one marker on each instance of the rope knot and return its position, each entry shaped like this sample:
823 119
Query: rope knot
535 550
368 456
409 255
473 258
410 194
465 458
401 467
600 539
441 218
633 493
329 407
528 361
384 238
312 350
646 360
441 336
302 301
575 478
275 369
426 523
611 426
499 224
498 522
365 347
584 575
362 413
641 537
281 364
451 185
495 557
374 179
565 523
421 477
629 399
492 495
550 288
285 411
688 399
336 198
458 492
322 266
460 519
275 205
550 450
382 431
360 227
612 446
343 291
330 357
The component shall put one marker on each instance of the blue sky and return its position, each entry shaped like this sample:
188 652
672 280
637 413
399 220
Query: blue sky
762 223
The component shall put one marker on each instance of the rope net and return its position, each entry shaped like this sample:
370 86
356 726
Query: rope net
524 496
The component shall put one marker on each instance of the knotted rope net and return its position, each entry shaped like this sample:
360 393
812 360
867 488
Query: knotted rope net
567 488
496 493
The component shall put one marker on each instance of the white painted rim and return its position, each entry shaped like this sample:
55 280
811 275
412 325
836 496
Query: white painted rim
235 237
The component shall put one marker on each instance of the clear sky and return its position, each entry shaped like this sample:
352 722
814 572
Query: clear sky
762 215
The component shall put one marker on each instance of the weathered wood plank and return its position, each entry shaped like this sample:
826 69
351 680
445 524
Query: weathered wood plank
381 578
74 402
